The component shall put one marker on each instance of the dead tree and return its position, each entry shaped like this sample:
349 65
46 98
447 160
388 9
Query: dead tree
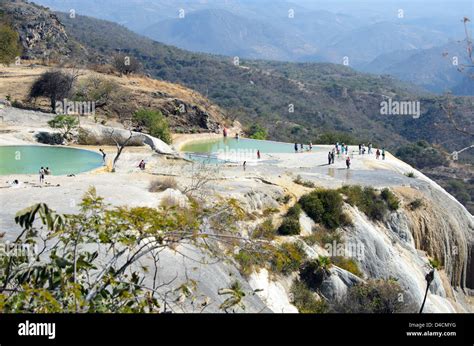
120 143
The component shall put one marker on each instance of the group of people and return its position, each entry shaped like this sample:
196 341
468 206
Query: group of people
42 173
378 153
338 150
301 148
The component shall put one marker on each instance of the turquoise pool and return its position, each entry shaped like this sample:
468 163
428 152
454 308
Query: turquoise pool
226 144
28 159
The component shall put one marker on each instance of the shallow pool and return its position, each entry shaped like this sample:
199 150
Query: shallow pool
28 159
227 144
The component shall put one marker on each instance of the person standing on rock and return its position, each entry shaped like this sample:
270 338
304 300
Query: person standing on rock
329 158
296 147
332 156
245 165
377 154
348 162
41 175
383 153
258 154
103 155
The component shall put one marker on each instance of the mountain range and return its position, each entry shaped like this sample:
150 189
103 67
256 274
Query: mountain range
366 37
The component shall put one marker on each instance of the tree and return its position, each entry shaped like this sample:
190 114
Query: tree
154 122
257 131
55 85
94 261
9 45
65 123
120 142
126 64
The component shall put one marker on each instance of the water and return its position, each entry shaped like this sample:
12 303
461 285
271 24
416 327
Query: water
222 145
29 159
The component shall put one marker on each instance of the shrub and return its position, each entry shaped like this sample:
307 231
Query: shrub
65 124
410 175
289 226
305 301
285 199
372 203
249 260
162 184
291 222
417 203
306 183
392 201
421 155
49 138
287 258
323 236
264 231
257 131
10 44
374 296
55 85
154 122
435 263
348 264
314 272
126 64
325 206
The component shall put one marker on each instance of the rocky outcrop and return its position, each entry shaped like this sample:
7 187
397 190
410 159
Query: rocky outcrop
103 135
41 33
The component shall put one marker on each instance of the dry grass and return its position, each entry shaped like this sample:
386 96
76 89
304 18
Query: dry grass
162 184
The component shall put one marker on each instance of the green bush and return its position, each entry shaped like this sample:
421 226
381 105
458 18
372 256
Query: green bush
348 264
325 206
65 124
264 231
287 258
290 226
388 196
314 272
421 155
10 45
291 221
154 122
306 183
305 301
256 131
417 203
374 296
249 260
372 203
323 237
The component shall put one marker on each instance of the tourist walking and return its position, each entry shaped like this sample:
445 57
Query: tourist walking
383 153
310 146
377 154
370 148
258 154
245 165
41 175
329 158
348 162
332 156
296 147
